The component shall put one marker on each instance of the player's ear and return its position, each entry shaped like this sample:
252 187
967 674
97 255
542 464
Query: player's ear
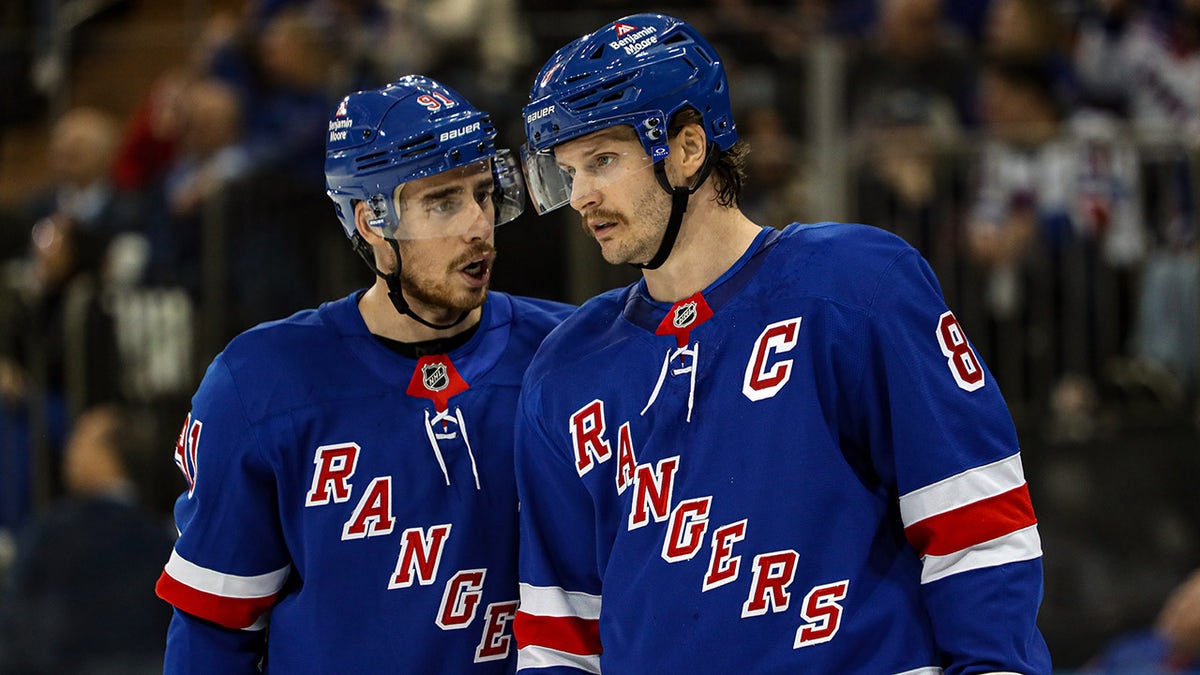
363 216
689 147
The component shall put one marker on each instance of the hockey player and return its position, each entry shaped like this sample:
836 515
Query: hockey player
777 451
351 504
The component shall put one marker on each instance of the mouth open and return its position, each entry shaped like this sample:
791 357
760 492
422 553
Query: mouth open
478 268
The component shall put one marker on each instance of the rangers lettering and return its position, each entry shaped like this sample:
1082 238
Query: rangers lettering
723 566
373 515
420 556
823 613
685 534
587 434
461 599
335 465
760 382
652 490
496 634
626 460
773 573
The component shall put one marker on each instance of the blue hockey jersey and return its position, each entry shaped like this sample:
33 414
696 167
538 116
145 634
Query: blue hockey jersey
805 468
359 504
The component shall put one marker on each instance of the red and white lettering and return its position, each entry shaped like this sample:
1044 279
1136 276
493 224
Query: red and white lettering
762 382
373 515
823 613
723 566
773 573
652 490
587 433
961 358
496 633
331 480
685 534
420 555
461 599
626 459
185 451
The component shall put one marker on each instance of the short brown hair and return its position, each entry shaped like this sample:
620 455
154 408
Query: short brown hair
729 167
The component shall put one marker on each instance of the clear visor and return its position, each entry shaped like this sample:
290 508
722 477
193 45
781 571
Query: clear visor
485 194
554 182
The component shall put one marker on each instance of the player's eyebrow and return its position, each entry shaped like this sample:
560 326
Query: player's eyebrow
441 193
601 143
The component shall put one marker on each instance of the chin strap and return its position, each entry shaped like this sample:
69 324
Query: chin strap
395 290
679 203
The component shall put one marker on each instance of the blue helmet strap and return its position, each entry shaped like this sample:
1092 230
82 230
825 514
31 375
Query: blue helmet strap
679 201
396 293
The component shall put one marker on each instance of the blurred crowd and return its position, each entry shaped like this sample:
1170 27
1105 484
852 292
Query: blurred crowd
1042 154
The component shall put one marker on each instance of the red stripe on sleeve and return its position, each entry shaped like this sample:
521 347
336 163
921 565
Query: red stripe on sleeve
569 634
234 613
973 523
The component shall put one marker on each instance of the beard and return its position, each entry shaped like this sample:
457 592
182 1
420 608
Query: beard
637 242
438 291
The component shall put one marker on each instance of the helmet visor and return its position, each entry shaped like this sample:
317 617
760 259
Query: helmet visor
452 203
554 182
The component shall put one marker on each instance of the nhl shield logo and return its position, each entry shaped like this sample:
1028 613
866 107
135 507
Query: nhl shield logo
683 317
685 314
434 376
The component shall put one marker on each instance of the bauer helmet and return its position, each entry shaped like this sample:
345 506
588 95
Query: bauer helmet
637 71
411 128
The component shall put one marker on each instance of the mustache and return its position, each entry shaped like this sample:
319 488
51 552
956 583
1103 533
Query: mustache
599 216
478 250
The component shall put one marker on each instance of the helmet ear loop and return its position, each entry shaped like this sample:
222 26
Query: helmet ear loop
679 202
396 292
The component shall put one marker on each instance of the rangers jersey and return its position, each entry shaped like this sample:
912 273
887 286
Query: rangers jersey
359 504
805 468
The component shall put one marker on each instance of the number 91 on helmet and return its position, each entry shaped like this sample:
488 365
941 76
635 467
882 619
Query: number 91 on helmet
416 129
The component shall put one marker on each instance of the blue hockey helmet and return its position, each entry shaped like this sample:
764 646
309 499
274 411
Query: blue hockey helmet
412 128
638 71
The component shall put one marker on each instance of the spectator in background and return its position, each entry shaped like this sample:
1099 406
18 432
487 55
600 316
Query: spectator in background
210 155
80 154
1144 62
1032 31
80 597
908 91
1056 197
1164 68
211 151
911 60
1103 37
150 140
58 356
1169 647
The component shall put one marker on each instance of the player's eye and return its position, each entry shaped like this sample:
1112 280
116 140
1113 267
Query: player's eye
445 206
